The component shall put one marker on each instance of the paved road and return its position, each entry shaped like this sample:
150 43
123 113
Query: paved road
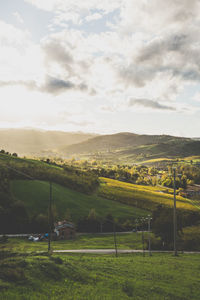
16 235
112 251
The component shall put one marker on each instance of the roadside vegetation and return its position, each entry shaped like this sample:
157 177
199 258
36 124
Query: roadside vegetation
84 241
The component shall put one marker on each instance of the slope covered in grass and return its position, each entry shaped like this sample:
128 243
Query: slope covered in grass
22 168
94 277
35 195
146 197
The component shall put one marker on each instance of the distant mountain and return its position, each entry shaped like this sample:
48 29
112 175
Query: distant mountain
38 142
129 147
124 147
119 141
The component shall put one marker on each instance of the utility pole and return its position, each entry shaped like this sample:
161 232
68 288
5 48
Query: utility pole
114 232
50 216
175 218
136 224
143 242
101 226
149 231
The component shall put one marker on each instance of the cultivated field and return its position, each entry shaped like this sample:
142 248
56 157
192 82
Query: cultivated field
145 197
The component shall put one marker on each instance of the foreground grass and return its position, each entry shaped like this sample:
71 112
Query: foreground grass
87 241
145 197
35 195
91 277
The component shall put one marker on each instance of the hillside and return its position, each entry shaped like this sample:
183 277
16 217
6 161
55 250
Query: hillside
12 167
35 196
145 197
124 147
38 142
24 196
118 141
171 149
129 147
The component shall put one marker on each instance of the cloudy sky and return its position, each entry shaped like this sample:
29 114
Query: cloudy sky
101 66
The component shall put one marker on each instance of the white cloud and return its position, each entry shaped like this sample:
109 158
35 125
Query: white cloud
76 10
150 51
196 97
20 58
62 5
93 17
18 17
155 16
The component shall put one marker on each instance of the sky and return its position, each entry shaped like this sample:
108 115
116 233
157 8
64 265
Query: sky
101 66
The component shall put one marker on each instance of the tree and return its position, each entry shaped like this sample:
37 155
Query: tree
162 225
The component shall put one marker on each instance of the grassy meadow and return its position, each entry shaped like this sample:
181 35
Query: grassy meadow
145 197
35 195
84 241
99 277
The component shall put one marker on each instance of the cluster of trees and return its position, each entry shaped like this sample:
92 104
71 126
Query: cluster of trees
143 175
162 226
93 223
2 151
14 218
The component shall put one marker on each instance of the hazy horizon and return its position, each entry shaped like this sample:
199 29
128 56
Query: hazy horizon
88 132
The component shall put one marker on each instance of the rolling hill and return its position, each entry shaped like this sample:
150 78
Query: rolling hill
24 186
129 147
124 147
38 142
118 141
145 197
35 196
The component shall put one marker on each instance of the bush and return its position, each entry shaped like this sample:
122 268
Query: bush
190 238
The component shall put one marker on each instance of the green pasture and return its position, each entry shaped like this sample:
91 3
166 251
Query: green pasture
84 241
35 195
99 277
180 160
146 197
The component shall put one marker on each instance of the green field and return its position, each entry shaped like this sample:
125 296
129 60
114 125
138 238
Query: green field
145 197
99 277
83 241
35 195
113 197
182 160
